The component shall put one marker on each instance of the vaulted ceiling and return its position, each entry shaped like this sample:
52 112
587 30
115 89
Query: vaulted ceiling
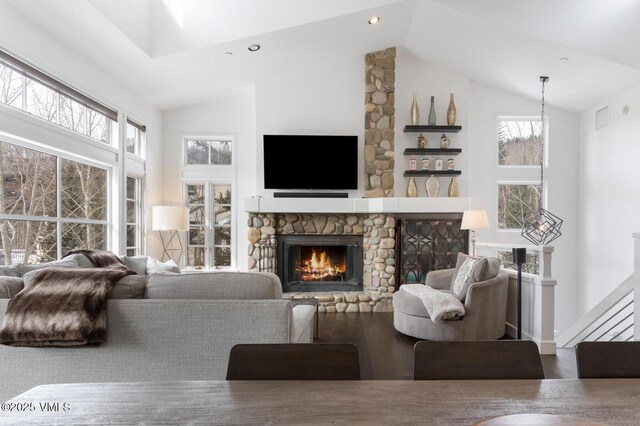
172 52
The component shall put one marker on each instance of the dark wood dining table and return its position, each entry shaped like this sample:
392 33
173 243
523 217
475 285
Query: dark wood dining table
381 402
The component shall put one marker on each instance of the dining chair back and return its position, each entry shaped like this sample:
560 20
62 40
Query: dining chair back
307 361
476 360
607 360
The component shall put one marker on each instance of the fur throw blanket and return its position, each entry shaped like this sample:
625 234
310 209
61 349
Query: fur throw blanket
440 305
63 306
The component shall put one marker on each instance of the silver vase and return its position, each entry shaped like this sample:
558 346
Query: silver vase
432 113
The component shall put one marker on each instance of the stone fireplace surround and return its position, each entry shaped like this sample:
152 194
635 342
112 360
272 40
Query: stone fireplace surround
378 232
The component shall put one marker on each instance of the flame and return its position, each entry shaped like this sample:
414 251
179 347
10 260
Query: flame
319 266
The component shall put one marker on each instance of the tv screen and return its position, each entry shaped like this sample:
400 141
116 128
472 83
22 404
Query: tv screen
310 162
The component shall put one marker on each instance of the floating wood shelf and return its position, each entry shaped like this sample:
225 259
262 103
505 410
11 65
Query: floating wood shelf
431 129
432 151
432 172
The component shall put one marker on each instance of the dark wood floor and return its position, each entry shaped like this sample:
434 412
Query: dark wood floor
386 354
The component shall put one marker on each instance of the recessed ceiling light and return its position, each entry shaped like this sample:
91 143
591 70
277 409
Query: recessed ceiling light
564 59
254 48
374 20
228 53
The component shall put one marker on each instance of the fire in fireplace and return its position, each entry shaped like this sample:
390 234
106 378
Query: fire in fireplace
320 262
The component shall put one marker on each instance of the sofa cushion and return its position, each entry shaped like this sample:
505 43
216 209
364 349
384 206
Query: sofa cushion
155 266
129 287
492 270
137 264
10 286
214 285
82 260
67 262
472 270
9 271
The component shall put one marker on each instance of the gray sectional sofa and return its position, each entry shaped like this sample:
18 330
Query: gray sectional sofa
163 327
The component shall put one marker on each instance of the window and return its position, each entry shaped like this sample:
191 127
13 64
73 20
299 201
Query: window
49 205
134 214
34 92
201 151
519 156
135 137
209 235
530 267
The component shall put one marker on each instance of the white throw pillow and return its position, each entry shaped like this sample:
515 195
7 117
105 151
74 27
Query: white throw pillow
469 271
154 266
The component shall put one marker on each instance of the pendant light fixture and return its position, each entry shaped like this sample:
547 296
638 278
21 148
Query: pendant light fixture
543 226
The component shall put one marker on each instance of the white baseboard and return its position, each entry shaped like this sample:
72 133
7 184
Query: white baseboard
546 347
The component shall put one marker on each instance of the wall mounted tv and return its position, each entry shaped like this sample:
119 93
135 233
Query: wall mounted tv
310 162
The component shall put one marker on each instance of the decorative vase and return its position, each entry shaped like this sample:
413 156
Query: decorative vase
451 112
412 188
453 191
415 111
432 185
432 113
444 141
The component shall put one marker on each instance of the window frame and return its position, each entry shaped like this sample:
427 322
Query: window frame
58 219
520 175
210 226
207 137
28 73
139 248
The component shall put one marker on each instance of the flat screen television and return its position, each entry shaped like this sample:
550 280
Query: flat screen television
310 162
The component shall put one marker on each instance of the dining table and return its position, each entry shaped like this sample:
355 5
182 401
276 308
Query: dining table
375 402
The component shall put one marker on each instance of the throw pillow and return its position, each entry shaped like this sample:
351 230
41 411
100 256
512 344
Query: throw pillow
470 272
66 263
63 263
137 264
154 266
10 286
9 271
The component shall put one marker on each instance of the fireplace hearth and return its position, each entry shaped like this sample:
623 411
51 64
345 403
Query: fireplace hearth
312 263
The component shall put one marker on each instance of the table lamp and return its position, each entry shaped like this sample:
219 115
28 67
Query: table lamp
474 220
172 219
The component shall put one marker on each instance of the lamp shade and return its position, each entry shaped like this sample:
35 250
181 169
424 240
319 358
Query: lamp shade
475 219
169 218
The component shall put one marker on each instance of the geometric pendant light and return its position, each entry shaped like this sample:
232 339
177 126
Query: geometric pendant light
542 227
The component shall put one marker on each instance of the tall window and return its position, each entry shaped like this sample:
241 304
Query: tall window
135 137
49 205
30 90
134 214
209 236
519 156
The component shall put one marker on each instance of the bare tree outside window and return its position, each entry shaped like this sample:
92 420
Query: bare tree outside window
46 103
10 87
208 152
516 203
519 142
29 188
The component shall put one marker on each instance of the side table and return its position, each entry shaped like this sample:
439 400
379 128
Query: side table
312 302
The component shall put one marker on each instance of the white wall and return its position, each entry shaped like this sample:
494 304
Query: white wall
486 104
46 52
609 198
234 116
325 101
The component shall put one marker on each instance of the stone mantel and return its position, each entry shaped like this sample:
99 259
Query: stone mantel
357 205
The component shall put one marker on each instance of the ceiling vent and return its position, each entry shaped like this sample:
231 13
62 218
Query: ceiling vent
602 118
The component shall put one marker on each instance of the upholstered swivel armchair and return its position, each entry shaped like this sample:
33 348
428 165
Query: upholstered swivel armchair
485 307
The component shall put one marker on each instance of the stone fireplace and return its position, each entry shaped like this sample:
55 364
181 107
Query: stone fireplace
320 262
269 234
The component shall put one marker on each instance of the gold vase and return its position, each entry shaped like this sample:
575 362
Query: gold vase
415 111
451 112
412 188
454 191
